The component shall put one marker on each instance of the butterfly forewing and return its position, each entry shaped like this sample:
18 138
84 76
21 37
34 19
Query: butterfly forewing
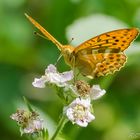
118 40
103 54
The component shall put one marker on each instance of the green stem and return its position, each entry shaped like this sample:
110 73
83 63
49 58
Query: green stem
59 127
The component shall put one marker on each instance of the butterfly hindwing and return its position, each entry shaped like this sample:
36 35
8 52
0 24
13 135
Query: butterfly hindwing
112 62
101 64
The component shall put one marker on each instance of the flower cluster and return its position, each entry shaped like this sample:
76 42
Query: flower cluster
79 111
29 122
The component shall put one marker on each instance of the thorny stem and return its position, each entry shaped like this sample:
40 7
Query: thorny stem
59 127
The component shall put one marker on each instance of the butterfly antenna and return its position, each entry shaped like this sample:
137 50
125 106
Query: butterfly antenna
44 32
71 40
38 34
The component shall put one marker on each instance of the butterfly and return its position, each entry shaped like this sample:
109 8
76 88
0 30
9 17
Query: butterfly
98 56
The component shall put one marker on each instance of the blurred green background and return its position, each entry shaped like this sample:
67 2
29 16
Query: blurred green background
24 56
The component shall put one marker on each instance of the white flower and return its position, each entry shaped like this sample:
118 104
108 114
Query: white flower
96 92
79 112
29 122
54 77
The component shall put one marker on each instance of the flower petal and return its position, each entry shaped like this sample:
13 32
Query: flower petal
50 69
39 82
66 76
69 113
14 117
96 92
91 117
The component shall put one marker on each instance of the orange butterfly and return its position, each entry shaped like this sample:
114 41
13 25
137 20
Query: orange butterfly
97 56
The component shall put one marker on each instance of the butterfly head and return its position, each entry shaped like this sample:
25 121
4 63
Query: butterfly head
67 53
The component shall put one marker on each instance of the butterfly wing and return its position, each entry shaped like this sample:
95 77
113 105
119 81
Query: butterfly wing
103 54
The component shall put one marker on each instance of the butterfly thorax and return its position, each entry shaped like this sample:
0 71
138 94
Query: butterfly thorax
67 54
